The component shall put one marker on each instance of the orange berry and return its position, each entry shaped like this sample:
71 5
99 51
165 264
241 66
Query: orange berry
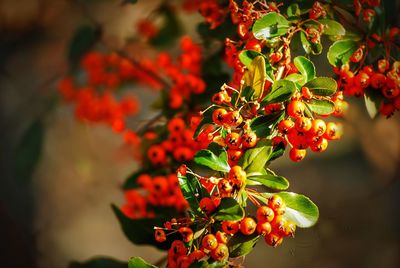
160 235
237 175
249 139
209 242
221 237
207 205
221 252
233 119
318 127
187 234
265 214
230 227
319 146
264 228
295 109
303 124
248 226
285 125
233 140
273 239
219 116
296 155
196 255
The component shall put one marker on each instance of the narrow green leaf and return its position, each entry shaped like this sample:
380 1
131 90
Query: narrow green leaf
247 93
322 86
28 151
270 25
281 90
332 27
240 245
191 190
277 152
340 52
209 159
138 262
229 210
262 125
310 47
255 76
305 67
373 101
299 208
271 181
323 107
254 159
100 262
247 56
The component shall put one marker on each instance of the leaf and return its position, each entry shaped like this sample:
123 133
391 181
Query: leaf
192 191
373 101
28 151
229 210
262 125
271 181
305 67
209 264
100 262
83 40
255 76
295 78
281 91
332 27
254 159
209 159
138 262
293 11
207 119
278 151
340 52
323 107
240 244
247 56
299 208
247 93
141 231
310 47
322 86
269 26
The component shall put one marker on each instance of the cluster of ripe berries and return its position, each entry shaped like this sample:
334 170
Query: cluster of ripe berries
269 223
303 132
365 9
179 145
157 191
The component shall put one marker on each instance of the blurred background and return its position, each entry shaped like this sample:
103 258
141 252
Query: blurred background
62 213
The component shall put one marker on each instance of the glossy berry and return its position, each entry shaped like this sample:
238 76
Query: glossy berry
295 109
209 242
221 252
233 140
296 155
318 127
237 175
233 119
219 116
303 124
249 139
207 205
265 214
285 126
263 228
230 227
221 237
160 235
187 234
248 226
196 255
319 146
273 239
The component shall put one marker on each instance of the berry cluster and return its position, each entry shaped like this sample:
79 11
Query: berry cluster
153 192
214 242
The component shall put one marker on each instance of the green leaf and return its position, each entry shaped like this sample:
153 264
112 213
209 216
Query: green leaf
209 159
271 181
340 52
100 262
247 57
269 26
293 11
373 101
322 86
321 106
299 208
28 151
141 231
240 244
310 47
281 90
247 93
262 125
305 67
209 264
192 191
332 27
138 262
83 40
254 159
207 119
255 76
229 210
295 78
